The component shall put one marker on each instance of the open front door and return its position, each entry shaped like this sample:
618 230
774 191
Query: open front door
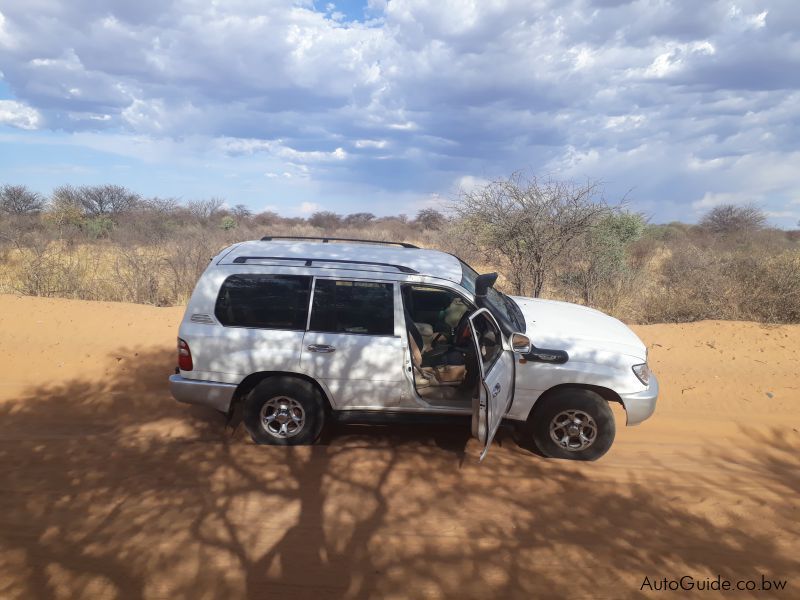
496 387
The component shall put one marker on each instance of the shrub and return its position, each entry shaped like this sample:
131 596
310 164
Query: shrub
325 220
600 260
97 227
19 200
730 219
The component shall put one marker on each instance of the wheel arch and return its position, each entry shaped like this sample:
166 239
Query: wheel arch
605 393
252 380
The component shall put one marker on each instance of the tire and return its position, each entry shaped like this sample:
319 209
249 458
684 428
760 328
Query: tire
579 419
284 411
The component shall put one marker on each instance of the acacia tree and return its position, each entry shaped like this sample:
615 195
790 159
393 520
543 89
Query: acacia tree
107 200
325 219
205 210
530 222
361 219
430 218
19 200
730 218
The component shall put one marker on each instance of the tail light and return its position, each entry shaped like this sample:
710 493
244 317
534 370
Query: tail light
184 356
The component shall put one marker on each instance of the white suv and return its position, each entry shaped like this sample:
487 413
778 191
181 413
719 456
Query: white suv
299 331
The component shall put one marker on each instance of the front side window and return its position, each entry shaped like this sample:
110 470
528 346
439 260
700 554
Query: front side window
264 301
504 309
342 306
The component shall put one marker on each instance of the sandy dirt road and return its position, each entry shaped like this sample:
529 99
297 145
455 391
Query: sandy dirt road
110 489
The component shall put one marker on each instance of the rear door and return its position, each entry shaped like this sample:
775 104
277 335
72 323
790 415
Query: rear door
353 344
496 389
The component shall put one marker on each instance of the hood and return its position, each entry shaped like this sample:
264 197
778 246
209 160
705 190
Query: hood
585 333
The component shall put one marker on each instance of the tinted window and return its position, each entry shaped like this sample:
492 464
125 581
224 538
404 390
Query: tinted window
353 307
266 301
490 340
504 309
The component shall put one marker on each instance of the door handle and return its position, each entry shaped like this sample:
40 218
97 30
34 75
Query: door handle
496 390
323 348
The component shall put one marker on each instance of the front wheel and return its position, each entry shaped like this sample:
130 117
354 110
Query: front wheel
284 411
575 424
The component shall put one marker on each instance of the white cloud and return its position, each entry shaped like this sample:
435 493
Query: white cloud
624 122
668 100
712 199
5 37
783 214
467 183
297 159
307 208
143 115
371 144
676 57
19 115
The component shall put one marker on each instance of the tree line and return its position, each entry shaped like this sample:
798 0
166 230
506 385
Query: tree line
546 237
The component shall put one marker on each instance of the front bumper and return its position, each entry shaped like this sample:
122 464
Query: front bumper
640 405
205 393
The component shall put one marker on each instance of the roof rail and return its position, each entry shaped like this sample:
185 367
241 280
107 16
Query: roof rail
309 262
325 240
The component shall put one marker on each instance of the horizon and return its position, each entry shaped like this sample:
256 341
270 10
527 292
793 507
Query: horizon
390 107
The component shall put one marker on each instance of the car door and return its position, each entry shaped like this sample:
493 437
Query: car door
496 388
353 344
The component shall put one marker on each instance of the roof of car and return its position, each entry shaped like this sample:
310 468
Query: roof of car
420 260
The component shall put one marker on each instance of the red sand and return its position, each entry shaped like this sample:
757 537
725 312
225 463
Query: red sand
110 489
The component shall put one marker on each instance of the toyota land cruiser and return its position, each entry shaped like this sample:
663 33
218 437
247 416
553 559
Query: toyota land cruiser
297 331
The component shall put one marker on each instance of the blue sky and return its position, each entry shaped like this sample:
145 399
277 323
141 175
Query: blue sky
391 106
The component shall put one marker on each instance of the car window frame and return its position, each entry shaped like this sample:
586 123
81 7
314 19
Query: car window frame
395 300
256 327
445 288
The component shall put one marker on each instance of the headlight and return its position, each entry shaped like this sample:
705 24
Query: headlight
642 371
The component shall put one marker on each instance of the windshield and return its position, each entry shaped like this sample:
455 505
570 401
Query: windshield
503 308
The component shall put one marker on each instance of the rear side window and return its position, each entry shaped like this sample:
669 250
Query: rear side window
365 307
264 301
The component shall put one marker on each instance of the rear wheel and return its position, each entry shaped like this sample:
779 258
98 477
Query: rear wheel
575 424
284 411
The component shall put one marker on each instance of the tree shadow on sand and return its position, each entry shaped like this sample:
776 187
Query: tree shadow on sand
114 490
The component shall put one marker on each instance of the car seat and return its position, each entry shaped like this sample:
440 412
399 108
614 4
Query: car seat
442 365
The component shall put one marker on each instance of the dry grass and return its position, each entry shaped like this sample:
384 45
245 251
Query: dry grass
676 273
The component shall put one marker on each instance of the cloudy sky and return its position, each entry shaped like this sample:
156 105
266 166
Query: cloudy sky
391 106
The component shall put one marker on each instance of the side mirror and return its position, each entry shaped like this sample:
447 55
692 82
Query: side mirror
521 343
483 283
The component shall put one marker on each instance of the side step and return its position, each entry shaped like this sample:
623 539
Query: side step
374 417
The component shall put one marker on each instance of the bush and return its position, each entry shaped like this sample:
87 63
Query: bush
600 257
136 273
50 269
153 250
732 219
98 227
740 284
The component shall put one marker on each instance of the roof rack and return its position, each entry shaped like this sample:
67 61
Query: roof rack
325 240
309 262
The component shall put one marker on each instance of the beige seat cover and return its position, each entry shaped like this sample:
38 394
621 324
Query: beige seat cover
426 331
442 375
454 312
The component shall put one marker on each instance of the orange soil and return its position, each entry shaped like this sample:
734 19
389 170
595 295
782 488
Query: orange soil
110 489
